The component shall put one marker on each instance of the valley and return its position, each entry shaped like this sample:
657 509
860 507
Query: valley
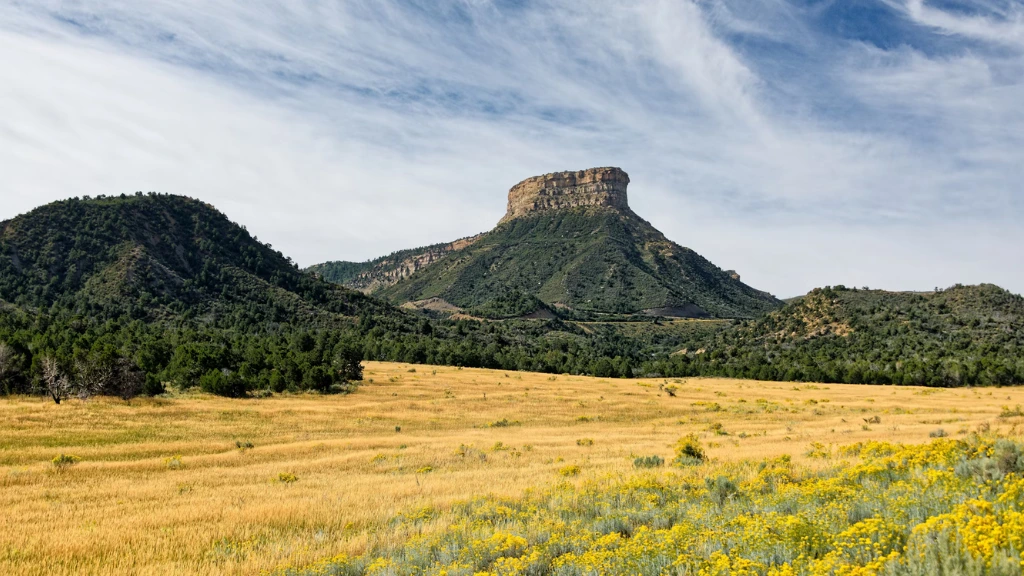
190 483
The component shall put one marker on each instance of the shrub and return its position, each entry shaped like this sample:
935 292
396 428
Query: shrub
1008 412
228 384
1008 456
570 470
503 423
174 462
938 433
648 461
689 451
287 477
153 386
819 451
64 461
585 442
243 446
721 489
425 470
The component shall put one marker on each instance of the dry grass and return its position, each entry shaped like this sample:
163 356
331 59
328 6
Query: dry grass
327 473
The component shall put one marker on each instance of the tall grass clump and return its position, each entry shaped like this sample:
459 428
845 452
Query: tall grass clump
62 462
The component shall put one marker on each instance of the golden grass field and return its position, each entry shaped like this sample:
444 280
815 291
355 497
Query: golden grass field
131 507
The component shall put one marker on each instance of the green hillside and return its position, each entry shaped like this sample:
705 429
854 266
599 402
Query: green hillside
154 257
165 290
965 335
592 259
343 272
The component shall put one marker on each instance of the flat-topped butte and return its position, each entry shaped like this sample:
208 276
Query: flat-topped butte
591 187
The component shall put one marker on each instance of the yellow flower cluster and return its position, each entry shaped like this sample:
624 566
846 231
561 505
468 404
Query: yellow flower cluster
895 509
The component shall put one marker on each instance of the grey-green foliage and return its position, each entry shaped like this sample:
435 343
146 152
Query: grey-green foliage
1007 458
946 555
653 461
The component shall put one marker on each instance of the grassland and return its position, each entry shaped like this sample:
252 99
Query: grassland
163 486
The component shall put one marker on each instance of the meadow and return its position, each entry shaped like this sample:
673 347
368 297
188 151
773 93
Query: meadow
420 458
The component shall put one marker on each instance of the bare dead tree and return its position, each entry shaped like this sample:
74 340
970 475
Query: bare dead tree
94 376
85 384
57 383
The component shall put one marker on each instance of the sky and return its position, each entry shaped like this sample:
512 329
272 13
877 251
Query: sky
802 143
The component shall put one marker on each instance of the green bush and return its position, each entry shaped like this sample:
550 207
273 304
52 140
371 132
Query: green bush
223 384
721 489
153 386
648 461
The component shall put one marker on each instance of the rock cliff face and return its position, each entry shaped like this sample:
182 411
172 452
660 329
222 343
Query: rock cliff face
390 271
591 187
368 277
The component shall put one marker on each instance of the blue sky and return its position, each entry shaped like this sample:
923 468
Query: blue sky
802 143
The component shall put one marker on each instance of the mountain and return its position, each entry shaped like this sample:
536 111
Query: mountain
113 292
117 295
156 257
568 242
964 335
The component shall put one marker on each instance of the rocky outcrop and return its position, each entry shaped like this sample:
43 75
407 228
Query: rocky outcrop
592 187
369 277
390 271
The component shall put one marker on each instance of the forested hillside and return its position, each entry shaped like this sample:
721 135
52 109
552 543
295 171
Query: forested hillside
126 294
156 257
965 335
588 259
132 294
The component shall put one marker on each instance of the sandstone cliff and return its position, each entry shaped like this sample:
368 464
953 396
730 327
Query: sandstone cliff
591 187
369 277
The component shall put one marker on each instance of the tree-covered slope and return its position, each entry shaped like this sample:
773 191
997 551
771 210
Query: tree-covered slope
377 274
155 257
591 259
98 293
965 335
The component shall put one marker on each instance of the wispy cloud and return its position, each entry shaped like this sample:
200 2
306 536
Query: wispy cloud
1004 25
349 129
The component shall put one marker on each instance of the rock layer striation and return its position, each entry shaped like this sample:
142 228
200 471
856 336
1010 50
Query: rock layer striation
591 187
